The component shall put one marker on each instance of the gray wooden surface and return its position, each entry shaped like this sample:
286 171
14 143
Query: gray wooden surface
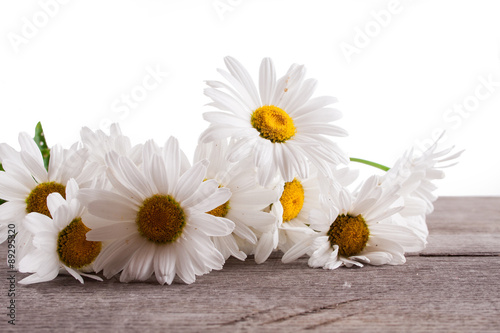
454 285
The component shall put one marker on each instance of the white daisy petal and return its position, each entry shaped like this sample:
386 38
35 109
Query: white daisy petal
298 250
264 247
11 189
112 231
190 181
74 274
211 225
35 167
164 265
240 73
267 81
140 267
112 210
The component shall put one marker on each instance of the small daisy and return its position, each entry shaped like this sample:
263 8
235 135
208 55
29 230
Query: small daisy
414 174
26 183
280 125
99 144
244 208
298 198
351 230
59 242
155 218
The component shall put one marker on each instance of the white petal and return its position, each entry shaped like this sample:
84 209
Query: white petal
112 210
267 81
298 250
264 247
211 225
190 181
112 231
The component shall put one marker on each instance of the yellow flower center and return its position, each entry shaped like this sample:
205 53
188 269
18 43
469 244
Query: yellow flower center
292 200
220 211
350 233
160 219
74 249
37 199
273 123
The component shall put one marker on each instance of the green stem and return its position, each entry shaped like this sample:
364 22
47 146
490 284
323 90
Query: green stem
373 164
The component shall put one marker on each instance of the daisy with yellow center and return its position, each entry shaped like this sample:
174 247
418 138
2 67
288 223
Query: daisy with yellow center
298 197
26 184
60 240
155 219
280 125
255 231
355 229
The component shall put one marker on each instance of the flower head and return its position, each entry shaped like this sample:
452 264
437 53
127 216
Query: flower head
352 229
281 126
244 208
415 175
59 242
155 217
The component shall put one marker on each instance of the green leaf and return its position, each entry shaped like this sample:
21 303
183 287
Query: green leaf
42 144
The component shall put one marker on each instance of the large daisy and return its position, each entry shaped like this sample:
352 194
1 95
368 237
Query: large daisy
352 229
279 124
59 242
245 208
415 175
26 183
155 217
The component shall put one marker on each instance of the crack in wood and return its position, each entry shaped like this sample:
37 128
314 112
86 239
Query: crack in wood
245 318
446 255
314 310
328 322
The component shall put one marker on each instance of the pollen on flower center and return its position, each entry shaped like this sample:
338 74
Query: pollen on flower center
37 199
273 123
220 211
350 233
73 248
160 219
292 200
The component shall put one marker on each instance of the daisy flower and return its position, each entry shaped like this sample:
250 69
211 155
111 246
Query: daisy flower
280 125
415 174
154 218
244 208
59 242
26 183
99 144
298 198
351 230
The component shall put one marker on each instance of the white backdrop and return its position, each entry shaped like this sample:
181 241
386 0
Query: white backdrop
403 71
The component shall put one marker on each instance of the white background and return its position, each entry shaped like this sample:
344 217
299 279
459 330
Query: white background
69 63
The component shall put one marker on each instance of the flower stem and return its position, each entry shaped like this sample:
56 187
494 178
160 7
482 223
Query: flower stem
373 164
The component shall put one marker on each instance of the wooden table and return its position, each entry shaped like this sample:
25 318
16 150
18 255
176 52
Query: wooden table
454 285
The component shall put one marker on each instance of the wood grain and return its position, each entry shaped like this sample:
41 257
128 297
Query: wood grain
454 285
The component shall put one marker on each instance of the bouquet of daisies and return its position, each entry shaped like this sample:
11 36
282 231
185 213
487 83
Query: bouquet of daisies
266 176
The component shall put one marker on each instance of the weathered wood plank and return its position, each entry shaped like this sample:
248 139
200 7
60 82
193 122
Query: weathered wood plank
464 226
442 292
426 294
